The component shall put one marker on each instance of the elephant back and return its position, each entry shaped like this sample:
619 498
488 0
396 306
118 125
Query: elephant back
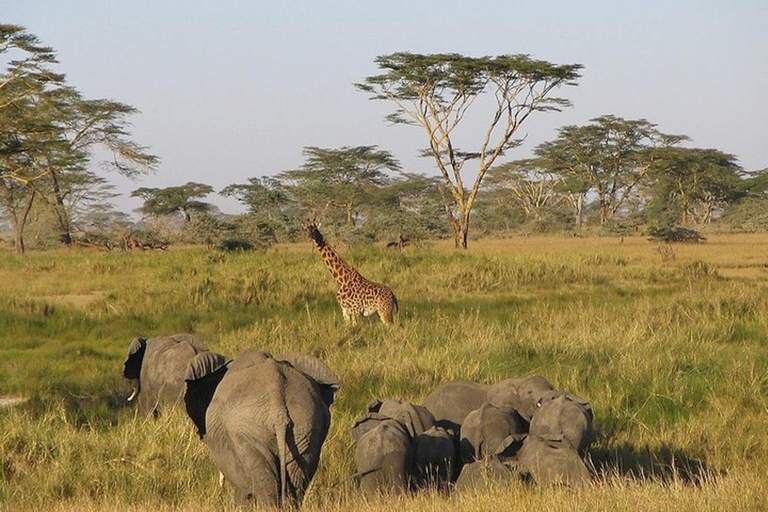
552 459
311 367
263 405
565 415
451 402
316 370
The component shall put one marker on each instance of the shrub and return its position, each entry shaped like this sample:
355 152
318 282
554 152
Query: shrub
671 233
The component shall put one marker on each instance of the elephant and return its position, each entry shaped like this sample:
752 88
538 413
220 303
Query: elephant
485 428
384 458
483 472
451 402
264 420
367 422
155 367
529 391
564 414
434 457
503 394
548 459
415 418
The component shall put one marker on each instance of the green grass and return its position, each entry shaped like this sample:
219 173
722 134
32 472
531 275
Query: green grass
672 354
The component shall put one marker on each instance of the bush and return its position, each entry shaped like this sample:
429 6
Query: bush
670 234
235 244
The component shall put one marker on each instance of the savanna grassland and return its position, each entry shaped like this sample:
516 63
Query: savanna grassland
670 347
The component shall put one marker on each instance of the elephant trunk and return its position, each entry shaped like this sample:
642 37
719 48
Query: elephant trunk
136 385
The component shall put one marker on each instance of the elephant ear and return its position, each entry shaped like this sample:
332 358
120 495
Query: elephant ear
316 370
203 375
508 448
132 363
191 340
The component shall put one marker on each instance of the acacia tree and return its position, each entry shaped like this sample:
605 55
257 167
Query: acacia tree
183 199
436 92
268 202
612 154
48 132
341 179
25 134
688 184
526 184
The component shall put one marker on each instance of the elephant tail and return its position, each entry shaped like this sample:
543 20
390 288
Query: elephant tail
281 451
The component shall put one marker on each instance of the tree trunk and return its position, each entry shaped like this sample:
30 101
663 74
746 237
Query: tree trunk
462 234
59 208
579 209
350 221
18 219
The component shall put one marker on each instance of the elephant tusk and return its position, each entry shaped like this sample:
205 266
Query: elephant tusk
136 385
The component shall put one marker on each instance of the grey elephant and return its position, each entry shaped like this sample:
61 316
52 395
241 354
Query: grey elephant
482 473
451 402
564 414
521 395
415 418
435 458
367 422
384 458
155 367
485 428
551 459
264 420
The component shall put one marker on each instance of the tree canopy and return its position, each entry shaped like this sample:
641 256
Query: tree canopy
182 199
437 91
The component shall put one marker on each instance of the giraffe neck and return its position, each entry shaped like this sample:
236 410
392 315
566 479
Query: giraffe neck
342 273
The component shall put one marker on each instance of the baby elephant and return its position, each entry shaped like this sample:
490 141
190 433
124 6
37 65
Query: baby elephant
451 402
264 420
384 457
434 457
564 414
155 367
485 428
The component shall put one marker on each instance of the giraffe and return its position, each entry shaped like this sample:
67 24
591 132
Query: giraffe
357 295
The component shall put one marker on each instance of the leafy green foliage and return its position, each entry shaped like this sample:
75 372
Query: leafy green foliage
183 199
613 155
671 233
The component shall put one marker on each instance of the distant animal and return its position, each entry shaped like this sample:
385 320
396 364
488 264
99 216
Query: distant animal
401 243
264 420
357 295
155 367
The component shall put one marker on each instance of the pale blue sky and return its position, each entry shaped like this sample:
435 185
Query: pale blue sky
234 89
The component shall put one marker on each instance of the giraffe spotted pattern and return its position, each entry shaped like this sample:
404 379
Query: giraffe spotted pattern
357 295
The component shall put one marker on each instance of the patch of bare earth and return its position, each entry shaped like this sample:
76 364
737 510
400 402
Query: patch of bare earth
74 300
12 401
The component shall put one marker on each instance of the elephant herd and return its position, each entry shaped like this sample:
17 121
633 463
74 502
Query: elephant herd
265 418
468 432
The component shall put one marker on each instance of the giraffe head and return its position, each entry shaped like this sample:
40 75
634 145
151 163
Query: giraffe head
314 233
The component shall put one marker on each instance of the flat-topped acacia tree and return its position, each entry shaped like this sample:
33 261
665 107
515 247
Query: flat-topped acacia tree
436 92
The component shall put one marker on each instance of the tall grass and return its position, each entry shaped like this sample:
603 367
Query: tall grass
672 353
